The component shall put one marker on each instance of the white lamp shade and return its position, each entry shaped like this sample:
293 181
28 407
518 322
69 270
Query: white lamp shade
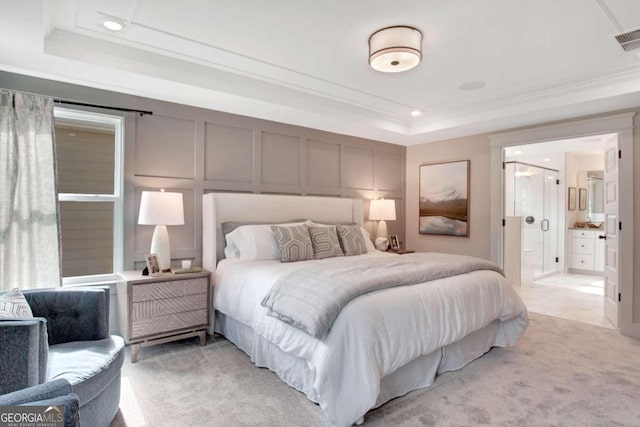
161 208
382 209
395 49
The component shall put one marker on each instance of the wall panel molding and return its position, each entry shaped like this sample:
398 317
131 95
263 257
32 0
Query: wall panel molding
195 150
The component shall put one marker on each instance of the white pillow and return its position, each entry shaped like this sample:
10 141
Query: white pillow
254 242
367 240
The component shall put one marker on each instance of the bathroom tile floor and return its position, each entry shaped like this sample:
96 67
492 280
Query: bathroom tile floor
569 296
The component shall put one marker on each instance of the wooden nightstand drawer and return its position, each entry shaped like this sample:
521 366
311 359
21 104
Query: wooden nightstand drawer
150 326
171 289
160 307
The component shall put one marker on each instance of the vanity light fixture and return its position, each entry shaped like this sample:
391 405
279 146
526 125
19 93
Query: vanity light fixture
395 49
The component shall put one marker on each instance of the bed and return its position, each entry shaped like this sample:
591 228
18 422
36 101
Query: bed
382 344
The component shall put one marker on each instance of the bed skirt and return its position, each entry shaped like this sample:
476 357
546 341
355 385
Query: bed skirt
419 373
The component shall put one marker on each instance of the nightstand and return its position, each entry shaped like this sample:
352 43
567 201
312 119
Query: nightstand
158 309
400 251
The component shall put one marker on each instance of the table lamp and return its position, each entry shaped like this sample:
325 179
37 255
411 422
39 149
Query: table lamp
382 210
161 208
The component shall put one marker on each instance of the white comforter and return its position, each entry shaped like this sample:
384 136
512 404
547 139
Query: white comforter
376 333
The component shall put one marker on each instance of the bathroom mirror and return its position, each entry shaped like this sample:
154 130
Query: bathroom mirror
595 185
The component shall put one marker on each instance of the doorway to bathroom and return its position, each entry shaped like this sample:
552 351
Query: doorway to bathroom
554 226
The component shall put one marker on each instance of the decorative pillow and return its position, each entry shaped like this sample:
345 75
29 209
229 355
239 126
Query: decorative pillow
325 242
253 242
294 242
14 305
365 234
351 240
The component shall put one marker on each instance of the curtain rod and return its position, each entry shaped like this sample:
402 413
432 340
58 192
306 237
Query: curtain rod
84 104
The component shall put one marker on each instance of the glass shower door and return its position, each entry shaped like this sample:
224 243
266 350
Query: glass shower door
535 198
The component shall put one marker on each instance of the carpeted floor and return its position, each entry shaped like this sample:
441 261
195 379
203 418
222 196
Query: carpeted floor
562 373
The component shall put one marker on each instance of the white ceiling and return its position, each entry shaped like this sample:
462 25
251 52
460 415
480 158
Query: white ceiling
304 62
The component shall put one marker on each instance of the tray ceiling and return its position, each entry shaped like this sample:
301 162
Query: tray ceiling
486 65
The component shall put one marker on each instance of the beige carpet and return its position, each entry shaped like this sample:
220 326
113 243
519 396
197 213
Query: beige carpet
562 373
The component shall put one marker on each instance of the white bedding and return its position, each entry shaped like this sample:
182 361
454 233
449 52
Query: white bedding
376 333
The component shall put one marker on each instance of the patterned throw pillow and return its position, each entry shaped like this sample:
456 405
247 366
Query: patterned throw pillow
294 242
325 242
14 305
351 240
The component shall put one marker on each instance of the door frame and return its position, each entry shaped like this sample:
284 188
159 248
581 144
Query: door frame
622 124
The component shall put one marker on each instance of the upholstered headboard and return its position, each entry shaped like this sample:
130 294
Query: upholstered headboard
221 207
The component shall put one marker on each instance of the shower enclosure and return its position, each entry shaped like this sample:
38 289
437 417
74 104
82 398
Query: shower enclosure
531 192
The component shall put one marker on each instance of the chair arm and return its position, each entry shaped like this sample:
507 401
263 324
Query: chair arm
73 314
23 351
53 393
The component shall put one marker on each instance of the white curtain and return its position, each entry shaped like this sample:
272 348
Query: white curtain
29 236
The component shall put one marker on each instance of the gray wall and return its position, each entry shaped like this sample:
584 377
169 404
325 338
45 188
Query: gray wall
195 150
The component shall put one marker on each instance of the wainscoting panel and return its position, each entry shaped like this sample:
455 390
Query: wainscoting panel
389 168
357 168
323 164
228 153
280 159
165 147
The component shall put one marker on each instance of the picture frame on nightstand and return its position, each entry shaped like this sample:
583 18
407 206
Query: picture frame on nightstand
394 243
152 264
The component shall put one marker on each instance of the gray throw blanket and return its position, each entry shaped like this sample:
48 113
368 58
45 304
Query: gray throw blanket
312 297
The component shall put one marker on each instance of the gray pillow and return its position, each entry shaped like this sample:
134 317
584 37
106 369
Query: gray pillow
351 240
294 242
14 305
325 242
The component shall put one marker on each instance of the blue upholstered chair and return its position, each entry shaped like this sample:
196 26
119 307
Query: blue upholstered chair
68 338
52 393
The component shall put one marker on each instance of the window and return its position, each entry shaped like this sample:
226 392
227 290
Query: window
89 158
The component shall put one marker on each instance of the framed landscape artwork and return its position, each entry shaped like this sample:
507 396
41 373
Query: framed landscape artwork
444 198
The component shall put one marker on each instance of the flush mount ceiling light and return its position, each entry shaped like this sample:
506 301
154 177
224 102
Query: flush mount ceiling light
112 23
395 49
416 113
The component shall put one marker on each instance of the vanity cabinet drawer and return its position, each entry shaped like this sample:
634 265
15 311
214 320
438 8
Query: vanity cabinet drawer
584 234
583 262
583 246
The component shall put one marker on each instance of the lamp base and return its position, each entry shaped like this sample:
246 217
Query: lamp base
160 246
382 229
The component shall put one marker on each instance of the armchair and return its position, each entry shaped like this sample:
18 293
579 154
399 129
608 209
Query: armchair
68 338
53 393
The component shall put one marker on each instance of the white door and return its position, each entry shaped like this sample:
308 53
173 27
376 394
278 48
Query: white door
611 273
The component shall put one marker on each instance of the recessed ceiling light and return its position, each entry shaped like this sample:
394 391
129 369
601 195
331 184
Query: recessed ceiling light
472 85
547 159
416 113
113 24
517 152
